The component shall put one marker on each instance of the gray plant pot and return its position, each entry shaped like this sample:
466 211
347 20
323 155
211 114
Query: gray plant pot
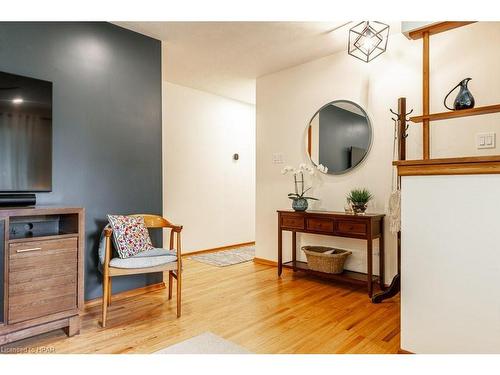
299 204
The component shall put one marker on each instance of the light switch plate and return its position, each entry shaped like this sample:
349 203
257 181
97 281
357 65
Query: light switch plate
485 140
277 158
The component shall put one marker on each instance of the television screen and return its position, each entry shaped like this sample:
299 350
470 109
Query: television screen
25 134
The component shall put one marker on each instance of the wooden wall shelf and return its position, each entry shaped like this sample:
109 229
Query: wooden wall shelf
438 27
428 166
456 114
449 166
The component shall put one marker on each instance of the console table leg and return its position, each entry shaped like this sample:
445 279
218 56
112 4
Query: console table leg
294 250
381 260
369 266
280 251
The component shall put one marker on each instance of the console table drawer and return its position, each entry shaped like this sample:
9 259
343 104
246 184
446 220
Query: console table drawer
320 225
42 278
292 221
350 227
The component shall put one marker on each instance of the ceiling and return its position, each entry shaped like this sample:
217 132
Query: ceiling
225 58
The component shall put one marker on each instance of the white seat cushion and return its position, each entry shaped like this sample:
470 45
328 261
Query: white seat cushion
146 259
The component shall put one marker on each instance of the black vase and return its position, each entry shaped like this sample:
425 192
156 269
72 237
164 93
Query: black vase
464 99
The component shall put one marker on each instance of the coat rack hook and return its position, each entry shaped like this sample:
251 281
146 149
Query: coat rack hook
405 135
406 120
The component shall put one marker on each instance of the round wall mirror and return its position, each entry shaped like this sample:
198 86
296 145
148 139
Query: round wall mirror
339 136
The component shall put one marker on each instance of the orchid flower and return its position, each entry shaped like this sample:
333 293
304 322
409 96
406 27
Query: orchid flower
322 168
298 177
287 169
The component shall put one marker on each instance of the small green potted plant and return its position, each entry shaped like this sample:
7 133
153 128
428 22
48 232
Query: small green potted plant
359 199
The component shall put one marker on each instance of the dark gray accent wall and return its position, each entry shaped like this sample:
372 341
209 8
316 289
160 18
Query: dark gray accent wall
340 131
106 122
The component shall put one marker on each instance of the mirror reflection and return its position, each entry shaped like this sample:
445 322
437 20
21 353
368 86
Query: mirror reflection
339 136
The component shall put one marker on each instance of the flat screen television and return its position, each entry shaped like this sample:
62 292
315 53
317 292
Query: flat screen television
25 134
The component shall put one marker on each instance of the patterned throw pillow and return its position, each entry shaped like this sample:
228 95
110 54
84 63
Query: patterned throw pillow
130 235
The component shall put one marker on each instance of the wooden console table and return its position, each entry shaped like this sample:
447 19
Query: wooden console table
364 227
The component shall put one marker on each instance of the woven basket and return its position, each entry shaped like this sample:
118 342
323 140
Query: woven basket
328 263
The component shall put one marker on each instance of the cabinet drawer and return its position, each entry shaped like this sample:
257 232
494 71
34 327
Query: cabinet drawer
42 278
350 227
292 221
320 225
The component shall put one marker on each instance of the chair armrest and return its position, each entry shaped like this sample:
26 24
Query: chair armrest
175 228
108 232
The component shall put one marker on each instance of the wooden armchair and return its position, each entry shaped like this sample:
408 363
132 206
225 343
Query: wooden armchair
156 260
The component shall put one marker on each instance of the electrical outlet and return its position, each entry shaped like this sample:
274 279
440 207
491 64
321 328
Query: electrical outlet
278 158
485 140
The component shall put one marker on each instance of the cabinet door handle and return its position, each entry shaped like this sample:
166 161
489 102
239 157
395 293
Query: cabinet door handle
28 250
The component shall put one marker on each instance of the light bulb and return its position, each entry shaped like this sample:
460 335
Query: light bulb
17 100
368 44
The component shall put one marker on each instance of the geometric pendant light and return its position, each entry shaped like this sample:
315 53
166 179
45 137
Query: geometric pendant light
368 39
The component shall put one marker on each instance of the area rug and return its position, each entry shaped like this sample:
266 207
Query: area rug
206 343
227 257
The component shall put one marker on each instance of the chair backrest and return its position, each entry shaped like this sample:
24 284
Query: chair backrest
154 221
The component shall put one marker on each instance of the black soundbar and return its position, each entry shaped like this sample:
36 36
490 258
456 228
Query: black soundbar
17 200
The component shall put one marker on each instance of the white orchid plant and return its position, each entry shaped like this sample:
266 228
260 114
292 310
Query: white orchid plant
298 178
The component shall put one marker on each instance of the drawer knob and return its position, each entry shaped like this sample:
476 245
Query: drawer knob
28 250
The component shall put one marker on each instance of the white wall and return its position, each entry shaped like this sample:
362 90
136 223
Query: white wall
205 190
286 101
450 264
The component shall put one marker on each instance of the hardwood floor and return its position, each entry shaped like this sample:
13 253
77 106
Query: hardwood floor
246 304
